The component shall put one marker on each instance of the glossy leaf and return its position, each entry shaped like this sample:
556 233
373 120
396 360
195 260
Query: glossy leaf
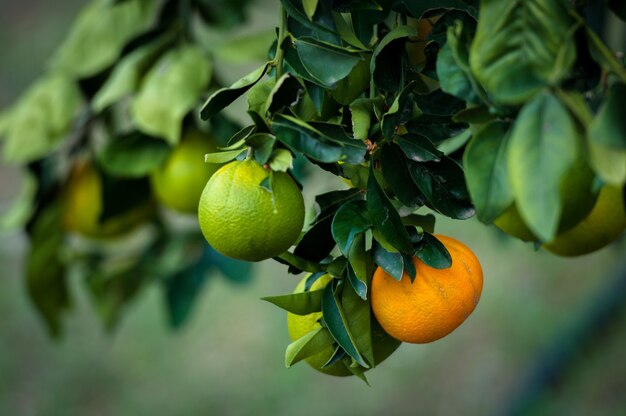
397 176
223 157
326 62
133 155
385 217
170 90
349 221
359 269
443 185
432 252
391 262
486 173
302 303
418 148
358 314
224 97
543 148
337 324
514 60
317 243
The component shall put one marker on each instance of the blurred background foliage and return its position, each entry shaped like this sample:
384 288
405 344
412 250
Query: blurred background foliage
547 338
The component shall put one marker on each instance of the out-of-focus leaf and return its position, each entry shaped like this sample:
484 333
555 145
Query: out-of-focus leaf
170 90
45 270
99 34
121 195
485 162
41 119
133 155
417 8
244 49
225 96
513 61
22 207
543 148
604 56
181 293
608 128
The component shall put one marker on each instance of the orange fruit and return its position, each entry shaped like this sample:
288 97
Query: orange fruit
242 219
83 205
435 303
300 325
179 182
605 222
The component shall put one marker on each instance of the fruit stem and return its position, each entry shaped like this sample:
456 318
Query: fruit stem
282 33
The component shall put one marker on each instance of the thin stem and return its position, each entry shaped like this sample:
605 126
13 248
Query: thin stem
282 33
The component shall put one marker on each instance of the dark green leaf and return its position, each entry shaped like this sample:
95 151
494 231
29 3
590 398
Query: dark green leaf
225 96
350 220
604 56
358 314
302 303
334 199
608 128
443 185
385 217
294 10
336 322
285 93
417 8
425 222
418 148
400 112
432 252
360 267
181 293
317 243
133 155
387 61
485 162
326 62
618 7
398 177
392 263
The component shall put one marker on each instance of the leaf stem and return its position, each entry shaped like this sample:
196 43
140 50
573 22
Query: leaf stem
282 33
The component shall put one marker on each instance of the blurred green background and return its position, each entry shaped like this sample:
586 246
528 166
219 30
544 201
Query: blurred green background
547 337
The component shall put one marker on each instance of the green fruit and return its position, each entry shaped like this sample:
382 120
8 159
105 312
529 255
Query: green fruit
83 205
242 219
605 222
179 182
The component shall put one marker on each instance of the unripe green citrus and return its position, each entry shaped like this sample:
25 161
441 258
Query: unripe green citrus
605 222
179 182
244 220
83 206
299 325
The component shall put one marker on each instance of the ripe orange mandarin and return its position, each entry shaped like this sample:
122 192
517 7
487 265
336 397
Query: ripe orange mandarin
435 303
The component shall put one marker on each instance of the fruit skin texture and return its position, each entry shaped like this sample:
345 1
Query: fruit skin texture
243 220
83 205
436 303
178 184
605 222
300 325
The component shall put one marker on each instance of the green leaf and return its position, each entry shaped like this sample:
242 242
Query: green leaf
281 160
397 176
361 111
295 11
453 68
285 93
245 49
417 8
99 34
358 315
309 7
133 155
45 270
336 322
401 111
521 47
326 62
543 148
349 221
425 222
390 262
225 96
618 7
22 207
604 56
386 64
223 157
263 145
418 148
485 163
385 217
126 75
258 95
432 252
170 90
360 267
443 185
41 119
308 345
302 303
608 128
608 163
